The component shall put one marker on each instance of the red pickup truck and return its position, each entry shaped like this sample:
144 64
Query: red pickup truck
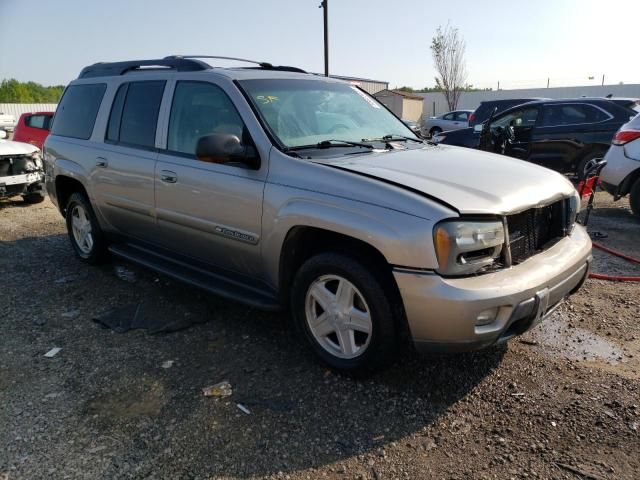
33 128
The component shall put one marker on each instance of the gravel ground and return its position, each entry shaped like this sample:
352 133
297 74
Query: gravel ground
561 402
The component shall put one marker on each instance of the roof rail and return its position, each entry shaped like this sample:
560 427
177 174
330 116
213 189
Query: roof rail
105 69
265 65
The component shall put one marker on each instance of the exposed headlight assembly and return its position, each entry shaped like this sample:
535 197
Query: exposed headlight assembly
573 209
465 247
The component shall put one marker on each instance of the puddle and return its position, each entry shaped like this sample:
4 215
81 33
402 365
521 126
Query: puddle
559 339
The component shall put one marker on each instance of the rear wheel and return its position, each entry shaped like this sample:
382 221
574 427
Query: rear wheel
634 198
85 234
587 163
344 313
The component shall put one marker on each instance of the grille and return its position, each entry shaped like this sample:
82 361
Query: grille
535 230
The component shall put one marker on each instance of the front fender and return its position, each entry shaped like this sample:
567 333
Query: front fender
404 240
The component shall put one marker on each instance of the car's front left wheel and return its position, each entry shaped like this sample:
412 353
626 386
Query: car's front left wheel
84 231
346 314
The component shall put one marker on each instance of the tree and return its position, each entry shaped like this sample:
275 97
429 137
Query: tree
447 49
13 91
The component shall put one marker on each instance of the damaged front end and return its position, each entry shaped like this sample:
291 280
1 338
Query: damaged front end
21 174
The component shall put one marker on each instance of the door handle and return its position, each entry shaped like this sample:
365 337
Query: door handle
101 162
167 176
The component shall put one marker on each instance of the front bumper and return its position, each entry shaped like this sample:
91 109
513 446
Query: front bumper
21 184
442 312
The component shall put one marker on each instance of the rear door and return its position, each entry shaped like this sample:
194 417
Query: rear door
209 212
123 173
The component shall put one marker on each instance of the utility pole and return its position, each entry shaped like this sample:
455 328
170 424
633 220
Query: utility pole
603 79
498 84
324 5
548 80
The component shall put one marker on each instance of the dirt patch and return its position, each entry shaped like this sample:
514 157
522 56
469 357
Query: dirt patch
130 405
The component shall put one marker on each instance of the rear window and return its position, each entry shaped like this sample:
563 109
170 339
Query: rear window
76 114
572 114
38 121
134 114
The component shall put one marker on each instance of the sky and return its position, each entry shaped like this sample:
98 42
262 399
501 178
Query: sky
517 43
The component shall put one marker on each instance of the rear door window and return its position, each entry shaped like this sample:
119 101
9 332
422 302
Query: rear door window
134 114
572 114
77 111
462 116
37 121
448 116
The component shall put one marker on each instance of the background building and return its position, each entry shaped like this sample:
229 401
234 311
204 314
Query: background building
366 84
407 106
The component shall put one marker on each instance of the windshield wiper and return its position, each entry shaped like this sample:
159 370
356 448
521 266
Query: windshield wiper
391 138
331 144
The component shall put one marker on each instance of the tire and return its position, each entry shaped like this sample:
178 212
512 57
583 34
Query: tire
81 221
348 350
634 198
584 163
435 131
32 198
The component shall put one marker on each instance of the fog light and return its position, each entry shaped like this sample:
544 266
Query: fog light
487 316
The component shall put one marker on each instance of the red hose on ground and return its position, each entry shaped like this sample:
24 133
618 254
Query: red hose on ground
615 278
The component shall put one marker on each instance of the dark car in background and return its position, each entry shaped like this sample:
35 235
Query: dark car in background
565 135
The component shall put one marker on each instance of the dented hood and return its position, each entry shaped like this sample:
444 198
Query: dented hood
9 147
469 180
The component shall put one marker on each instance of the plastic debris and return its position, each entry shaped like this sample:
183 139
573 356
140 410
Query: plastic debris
125 274
70 314
222 389
168 363
53 352
243 408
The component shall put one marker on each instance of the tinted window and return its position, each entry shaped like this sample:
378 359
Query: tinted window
462 116
200 109
572 114
139 114
37 121
448 116
113 128
78 109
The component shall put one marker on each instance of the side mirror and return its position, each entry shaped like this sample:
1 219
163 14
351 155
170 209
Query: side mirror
3 134
478 127
226 148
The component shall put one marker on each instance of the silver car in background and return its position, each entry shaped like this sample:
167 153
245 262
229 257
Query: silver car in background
445 122
621 175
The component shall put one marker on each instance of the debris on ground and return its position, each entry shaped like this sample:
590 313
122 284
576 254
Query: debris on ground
221 389
53 352
154 318
168 363
243 408
70 314
123 273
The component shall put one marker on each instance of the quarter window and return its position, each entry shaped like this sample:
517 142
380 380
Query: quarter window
200 109
76 114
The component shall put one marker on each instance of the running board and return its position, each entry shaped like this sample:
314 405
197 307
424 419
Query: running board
236 288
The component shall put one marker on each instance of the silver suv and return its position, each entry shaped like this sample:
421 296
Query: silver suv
288 190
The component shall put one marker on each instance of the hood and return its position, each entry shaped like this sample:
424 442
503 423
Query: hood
471 181
9 147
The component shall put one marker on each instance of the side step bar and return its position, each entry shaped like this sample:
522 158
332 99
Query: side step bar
236 288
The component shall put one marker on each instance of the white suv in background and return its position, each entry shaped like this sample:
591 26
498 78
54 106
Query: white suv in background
621 176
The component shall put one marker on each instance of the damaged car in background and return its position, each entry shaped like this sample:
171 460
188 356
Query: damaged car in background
21 170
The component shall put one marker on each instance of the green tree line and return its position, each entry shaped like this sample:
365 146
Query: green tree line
13 91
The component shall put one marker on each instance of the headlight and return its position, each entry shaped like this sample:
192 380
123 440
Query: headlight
573 209
466 247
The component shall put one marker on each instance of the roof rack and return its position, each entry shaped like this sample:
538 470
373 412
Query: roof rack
104 69
264 65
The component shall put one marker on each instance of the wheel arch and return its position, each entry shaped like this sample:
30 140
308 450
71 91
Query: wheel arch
65 187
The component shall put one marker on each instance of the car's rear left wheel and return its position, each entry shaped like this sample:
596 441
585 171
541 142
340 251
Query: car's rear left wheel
345 314
84 231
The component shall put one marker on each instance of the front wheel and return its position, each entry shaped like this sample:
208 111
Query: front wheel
86 236
435 131
345 313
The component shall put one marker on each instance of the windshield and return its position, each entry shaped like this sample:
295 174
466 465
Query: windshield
307 112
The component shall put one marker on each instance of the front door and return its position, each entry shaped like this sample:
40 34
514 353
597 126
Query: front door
510 133
207 211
